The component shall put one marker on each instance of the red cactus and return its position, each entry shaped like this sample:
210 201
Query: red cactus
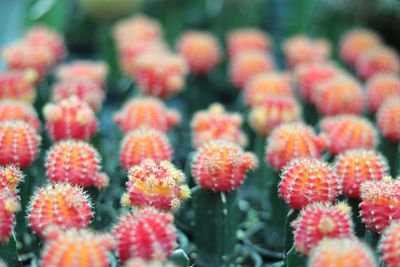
142 144
354 167
22 56
380 204
380 87
348 252
160 74
71 118
9 204
146 112
308 75
63 205
221 165
267 84
388 118
215 123
306 181
16 110
273 112
347 132
301 49
201 51
145 233
293 140
18 85
10 177
356 42
41 35
75 162
376 60
389 244
95 71
247 39
138 262
247 64
318 221
156 184
76 247
85 90
19 143
338 95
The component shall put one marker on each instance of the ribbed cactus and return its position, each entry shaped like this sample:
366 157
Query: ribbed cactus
9 204
247 64
43 36
293 140
159 185
70 119
146 112
142 144
305 181
318 221
380 87
247 39
95 71
347 132
273 112
85 90
19 143
355 42
380 203
145 233
17 110
354 167
75 247
62 205
75 162
267 84
346 252
18 84
387 118
201 51
376 60
10 177
160 74
390 242
216 123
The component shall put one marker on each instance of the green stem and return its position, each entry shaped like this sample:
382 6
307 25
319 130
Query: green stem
372 238
359 227
310 113
261 176
216 224
9 252
291 216
391 151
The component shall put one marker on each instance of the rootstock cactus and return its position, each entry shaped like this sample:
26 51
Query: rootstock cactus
182 136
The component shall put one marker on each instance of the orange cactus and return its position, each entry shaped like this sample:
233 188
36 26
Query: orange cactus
305 181
376 60
215 123
19 143
62 205
156 184
86 248
354 167
273 112
9 204
10 177
71 118
293 140
338 95
201 51
347 132
348 252
247 39
95 71
380 87
388 120
75 162
389 244
146 112
142 144
248 64
356 42
380 204
18 85
16 110
221 165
